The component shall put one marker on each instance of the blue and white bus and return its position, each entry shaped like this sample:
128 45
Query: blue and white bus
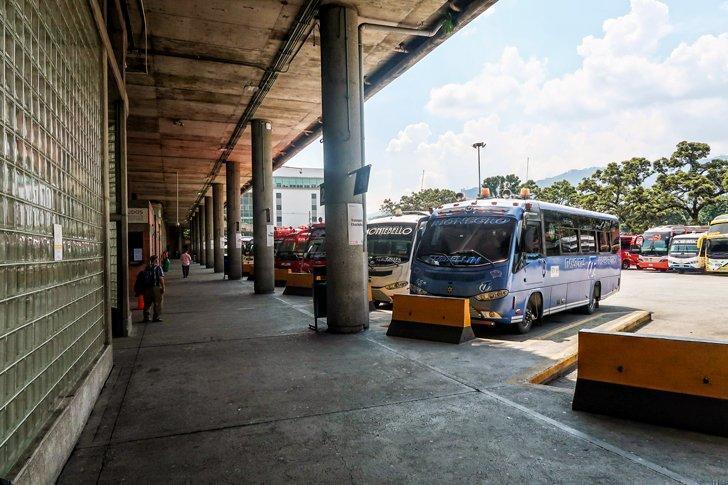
517 260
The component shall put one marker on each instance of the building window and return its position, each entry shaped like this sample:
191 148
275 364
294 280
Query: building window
314 208
279 209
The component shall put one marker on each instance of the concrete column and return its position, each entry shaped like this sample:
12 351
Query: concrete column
218 227
201 219
193 236
346 274
180 239
209 233
262 206
232 187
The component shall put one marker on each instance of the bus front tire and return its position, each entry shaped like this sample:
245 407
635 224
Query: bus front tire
593 304
531 316
625 264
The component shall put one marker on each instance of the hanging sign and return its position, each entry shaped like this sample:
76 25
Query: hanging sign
355 213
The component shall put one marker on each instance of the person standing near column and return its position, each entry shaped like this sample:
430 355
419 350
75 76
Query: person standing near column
185 259
154 289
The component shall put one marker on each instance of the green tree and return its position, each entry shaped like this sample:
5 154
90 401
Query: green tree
423 200
619 189
710 212
561 192
499 183
689 181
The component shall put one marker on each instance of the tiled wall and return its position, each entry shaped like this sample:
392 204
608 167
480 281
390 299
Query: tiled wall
51 312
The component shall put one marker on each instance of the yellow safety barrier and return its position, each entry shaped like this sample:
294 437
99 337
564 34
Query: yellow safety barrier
299 284
281 276
247 269
431 318
677 382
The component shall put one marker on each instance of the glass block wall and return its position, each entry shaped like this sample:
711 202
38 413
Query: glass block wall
51 299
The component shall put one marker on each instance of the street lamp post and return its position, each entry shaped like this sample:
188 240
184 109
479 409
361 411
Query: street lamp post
478 146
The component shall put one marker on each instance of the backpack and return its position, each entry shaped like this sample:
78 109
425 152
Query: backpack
144 280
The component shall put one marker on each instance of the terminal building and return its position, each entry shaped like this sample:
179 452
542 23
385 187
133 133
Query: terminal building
297 197
132 127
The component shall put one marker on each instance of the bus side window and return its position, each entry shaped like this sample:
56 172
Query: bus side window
532 239
615 238
587 242
604 242
569 240
552 239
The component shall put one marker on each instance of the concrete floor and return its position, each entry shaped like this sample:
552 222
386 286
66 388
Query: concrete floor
233 387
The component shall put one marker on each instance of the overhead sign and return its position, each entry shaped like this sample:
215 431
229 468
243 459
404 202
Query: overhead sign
137 215
361 182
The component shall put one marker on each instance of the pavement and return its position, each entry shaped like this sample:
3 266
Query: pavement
232 387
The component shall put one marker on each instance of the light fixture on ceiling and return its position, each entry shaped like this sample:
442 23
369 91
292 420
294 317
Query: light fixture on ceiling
177 122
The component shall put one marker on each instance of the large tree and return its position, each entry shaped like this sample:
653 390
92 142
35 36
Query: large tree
690 181
423 200
619 189
561 192
499 183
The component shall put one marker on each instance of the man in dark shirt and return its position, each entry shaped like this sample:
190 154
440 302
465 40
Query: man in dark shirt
154 289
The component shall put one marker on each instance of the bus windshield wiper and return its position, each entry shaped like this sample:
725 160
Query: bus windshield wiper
473 251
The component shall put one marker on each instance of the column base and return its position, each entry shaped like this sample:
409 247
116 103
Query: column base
343 330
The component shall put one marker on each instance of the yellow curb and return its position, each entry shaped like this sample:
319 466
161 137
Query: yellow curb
570 356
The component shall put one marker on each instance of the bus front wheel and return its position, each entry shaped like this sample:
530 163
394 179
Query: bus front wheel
625 264
531 316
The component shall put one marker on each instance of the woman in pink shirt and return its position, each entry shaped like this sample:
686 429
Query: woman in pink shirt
186 260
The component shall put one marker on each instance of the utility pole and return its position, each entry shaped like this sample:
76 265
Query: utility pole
528 161
478 146
422 182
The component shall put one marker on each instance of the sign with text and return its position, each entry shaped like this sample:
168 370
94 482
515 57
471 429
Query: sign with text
355 217
270 232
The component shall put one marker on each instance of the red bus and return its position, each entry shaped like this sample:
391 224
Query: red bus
316 253
656 243
292 249
629 250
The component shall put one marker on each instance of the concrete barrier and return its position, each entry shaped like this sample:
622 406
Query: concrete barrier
281 276
300 284
677 382
431 318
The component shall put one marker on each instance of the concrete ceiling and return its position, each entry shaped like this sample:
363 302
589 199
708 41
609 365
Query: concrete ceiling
194 65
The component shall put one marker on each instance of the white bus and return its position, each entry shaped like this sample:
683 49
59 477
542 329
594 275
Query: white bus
683 254
390 242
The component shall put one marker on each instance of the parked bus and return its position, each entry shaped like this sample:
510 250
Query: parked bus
316 252
684 253
292 249
518 260
716 253
629 251
719 224
390 242
656 244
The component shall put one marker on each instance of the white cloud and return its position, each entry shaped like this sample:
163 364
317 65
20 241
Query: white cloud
625 99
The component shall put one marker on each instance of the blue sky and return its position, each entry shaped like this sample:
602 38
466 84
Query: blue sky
568 83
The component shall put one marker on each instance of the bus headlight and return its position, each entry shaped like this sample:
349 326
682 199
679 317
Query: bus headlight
492 295
416 290
394 286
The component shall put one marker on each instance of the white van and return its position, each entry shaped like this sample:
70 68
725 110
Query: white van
390 242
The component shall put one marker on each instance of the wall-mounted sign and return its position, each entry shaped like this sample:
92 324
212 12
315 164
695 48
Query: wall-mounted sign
137 215
355 213
57 242
138 254
270 231
238 240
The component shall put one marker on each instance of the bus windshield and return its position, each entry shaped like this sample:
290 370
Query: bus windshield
389 243
684 246
655 243
287 249
466 241
317 249
721 227
718 248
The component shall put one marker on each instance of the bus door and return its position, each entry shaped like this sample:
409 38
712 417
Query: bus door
533 258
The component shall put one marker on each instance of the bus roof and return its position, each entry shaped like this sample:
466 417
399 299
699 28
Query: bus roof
510 204
689 237
719 219
406 218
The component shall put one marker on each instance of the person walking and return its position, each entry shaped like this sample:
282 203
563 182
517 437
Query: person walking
153 289
165 261
186 259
